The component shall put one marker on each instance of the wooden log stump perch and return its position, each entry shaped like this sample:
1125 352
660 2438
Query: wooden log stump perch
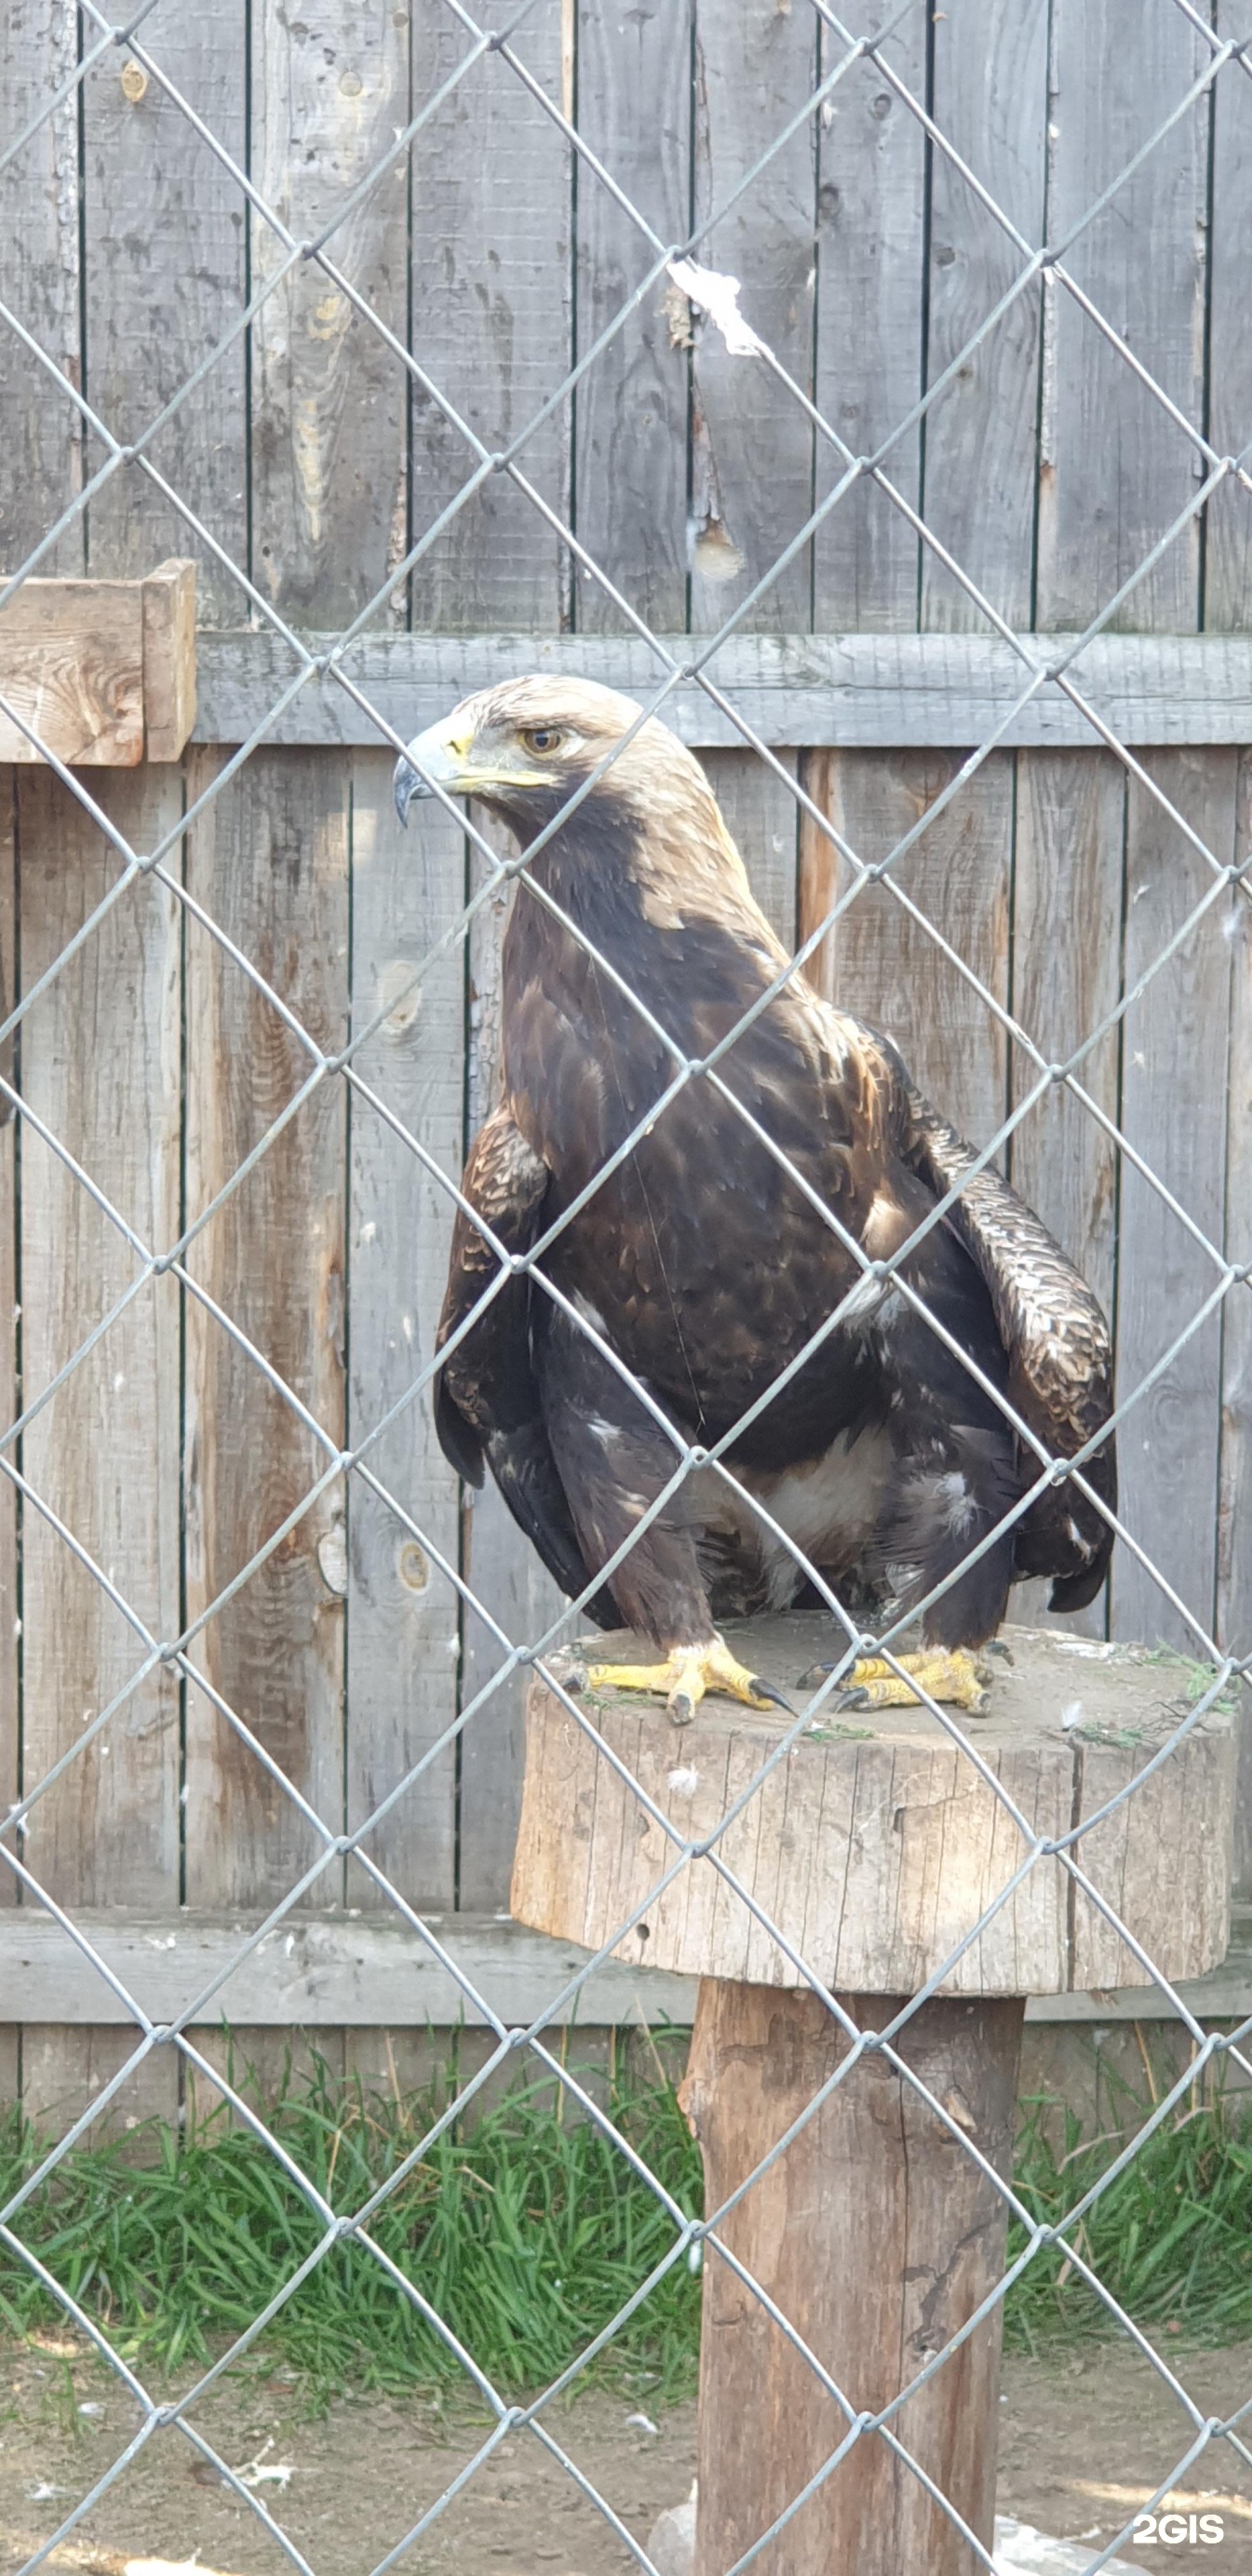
874 1845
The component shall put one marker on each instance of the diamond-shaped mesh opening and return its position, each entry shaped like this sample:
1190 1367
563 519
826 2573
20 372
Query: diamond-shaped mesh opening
419 341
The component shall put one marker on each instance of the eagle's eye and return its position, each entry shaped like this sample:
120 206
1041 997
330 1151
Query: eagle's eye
543 738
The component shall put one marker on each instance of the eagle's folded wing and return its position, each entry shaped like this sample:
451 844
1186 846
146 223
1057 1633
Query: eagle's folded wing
487 1403
1057 1341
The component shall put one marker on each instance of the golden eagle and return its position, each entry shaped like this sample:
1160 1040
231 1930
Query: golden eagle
707 1262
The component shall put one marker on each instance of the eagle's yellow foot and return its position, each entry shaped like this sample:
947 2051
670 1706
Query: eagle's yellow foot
952 1675
685 1677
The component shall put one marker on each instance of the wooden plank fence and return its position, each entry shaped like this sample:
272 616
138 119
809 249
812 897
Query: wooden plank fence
1047 469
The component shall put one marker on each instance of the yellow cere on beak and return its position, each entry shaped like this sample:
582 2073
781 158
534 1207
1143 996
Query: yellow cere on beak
434 759
439 758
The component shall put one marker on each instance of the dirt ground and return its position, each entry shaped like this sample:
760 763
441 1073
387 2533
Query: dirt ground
1084 2439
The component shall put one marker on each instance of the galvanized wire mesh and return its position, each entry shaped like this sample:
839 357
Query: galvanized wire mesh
332 667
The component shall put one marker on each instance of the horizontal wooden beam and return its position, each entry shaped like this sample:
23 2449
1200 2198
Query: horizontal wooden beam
341 1971
872 691
103 671
316 1972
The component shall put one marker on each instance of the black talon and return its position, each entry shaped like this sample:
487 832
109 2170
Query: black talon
856 1697
766 1690
681 1709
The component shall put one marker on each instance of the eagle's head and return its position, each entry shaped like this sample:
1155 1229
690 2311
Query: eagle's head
525 747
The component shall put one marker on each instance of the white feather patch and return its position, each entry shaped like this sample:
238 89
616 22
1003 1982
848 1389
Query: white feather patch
684 1782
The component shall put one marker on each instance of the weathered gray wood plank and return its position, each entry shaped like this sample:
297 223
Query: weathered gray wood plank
1174 1068
863 692
1228 532
9 1395
376 1975
40 447
269 860
868 367
63 2070
1066 933
330 91
100 1067
403 1616
1114 468
491 324
1067 916
752 445
762 817
316 1971
164 280
1234 1556
261 2065
990 99
888 971
499 1562
634 111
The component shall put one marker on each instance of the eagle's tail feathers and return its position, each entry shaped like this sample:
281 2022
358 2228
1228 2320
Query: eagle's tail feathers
1078 1591
457 1438
526 1472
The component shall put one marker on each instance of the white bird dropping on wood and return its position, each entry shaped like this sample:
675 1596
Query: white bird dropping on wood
717 295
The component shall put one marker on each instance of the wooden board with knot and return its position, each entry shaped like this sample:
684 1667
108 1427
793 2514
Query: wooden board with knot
103 672
877 1840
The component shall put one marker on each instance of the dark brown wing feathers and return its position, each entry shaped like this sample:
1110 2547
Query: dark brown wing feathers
488 1408
1059 1351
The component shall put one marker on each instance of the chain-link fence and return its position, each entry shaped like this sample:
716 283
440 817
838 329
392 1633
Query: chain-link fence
702 305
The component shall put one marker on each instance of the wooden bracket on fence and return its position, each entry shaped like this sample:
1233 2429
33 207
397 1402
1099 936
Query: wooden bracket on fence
103 671
876 1847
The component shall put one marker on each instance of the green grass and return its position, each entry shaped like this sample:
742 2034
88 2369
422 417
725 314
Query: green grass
528 2232
1171 2237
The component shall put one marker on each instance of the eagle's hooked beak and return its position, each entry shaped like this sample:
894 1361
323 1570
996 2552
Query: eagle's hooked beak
440 762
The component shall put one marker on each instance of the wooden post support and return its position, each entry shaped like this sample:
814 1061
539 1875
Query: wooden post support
103 671
874 1846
